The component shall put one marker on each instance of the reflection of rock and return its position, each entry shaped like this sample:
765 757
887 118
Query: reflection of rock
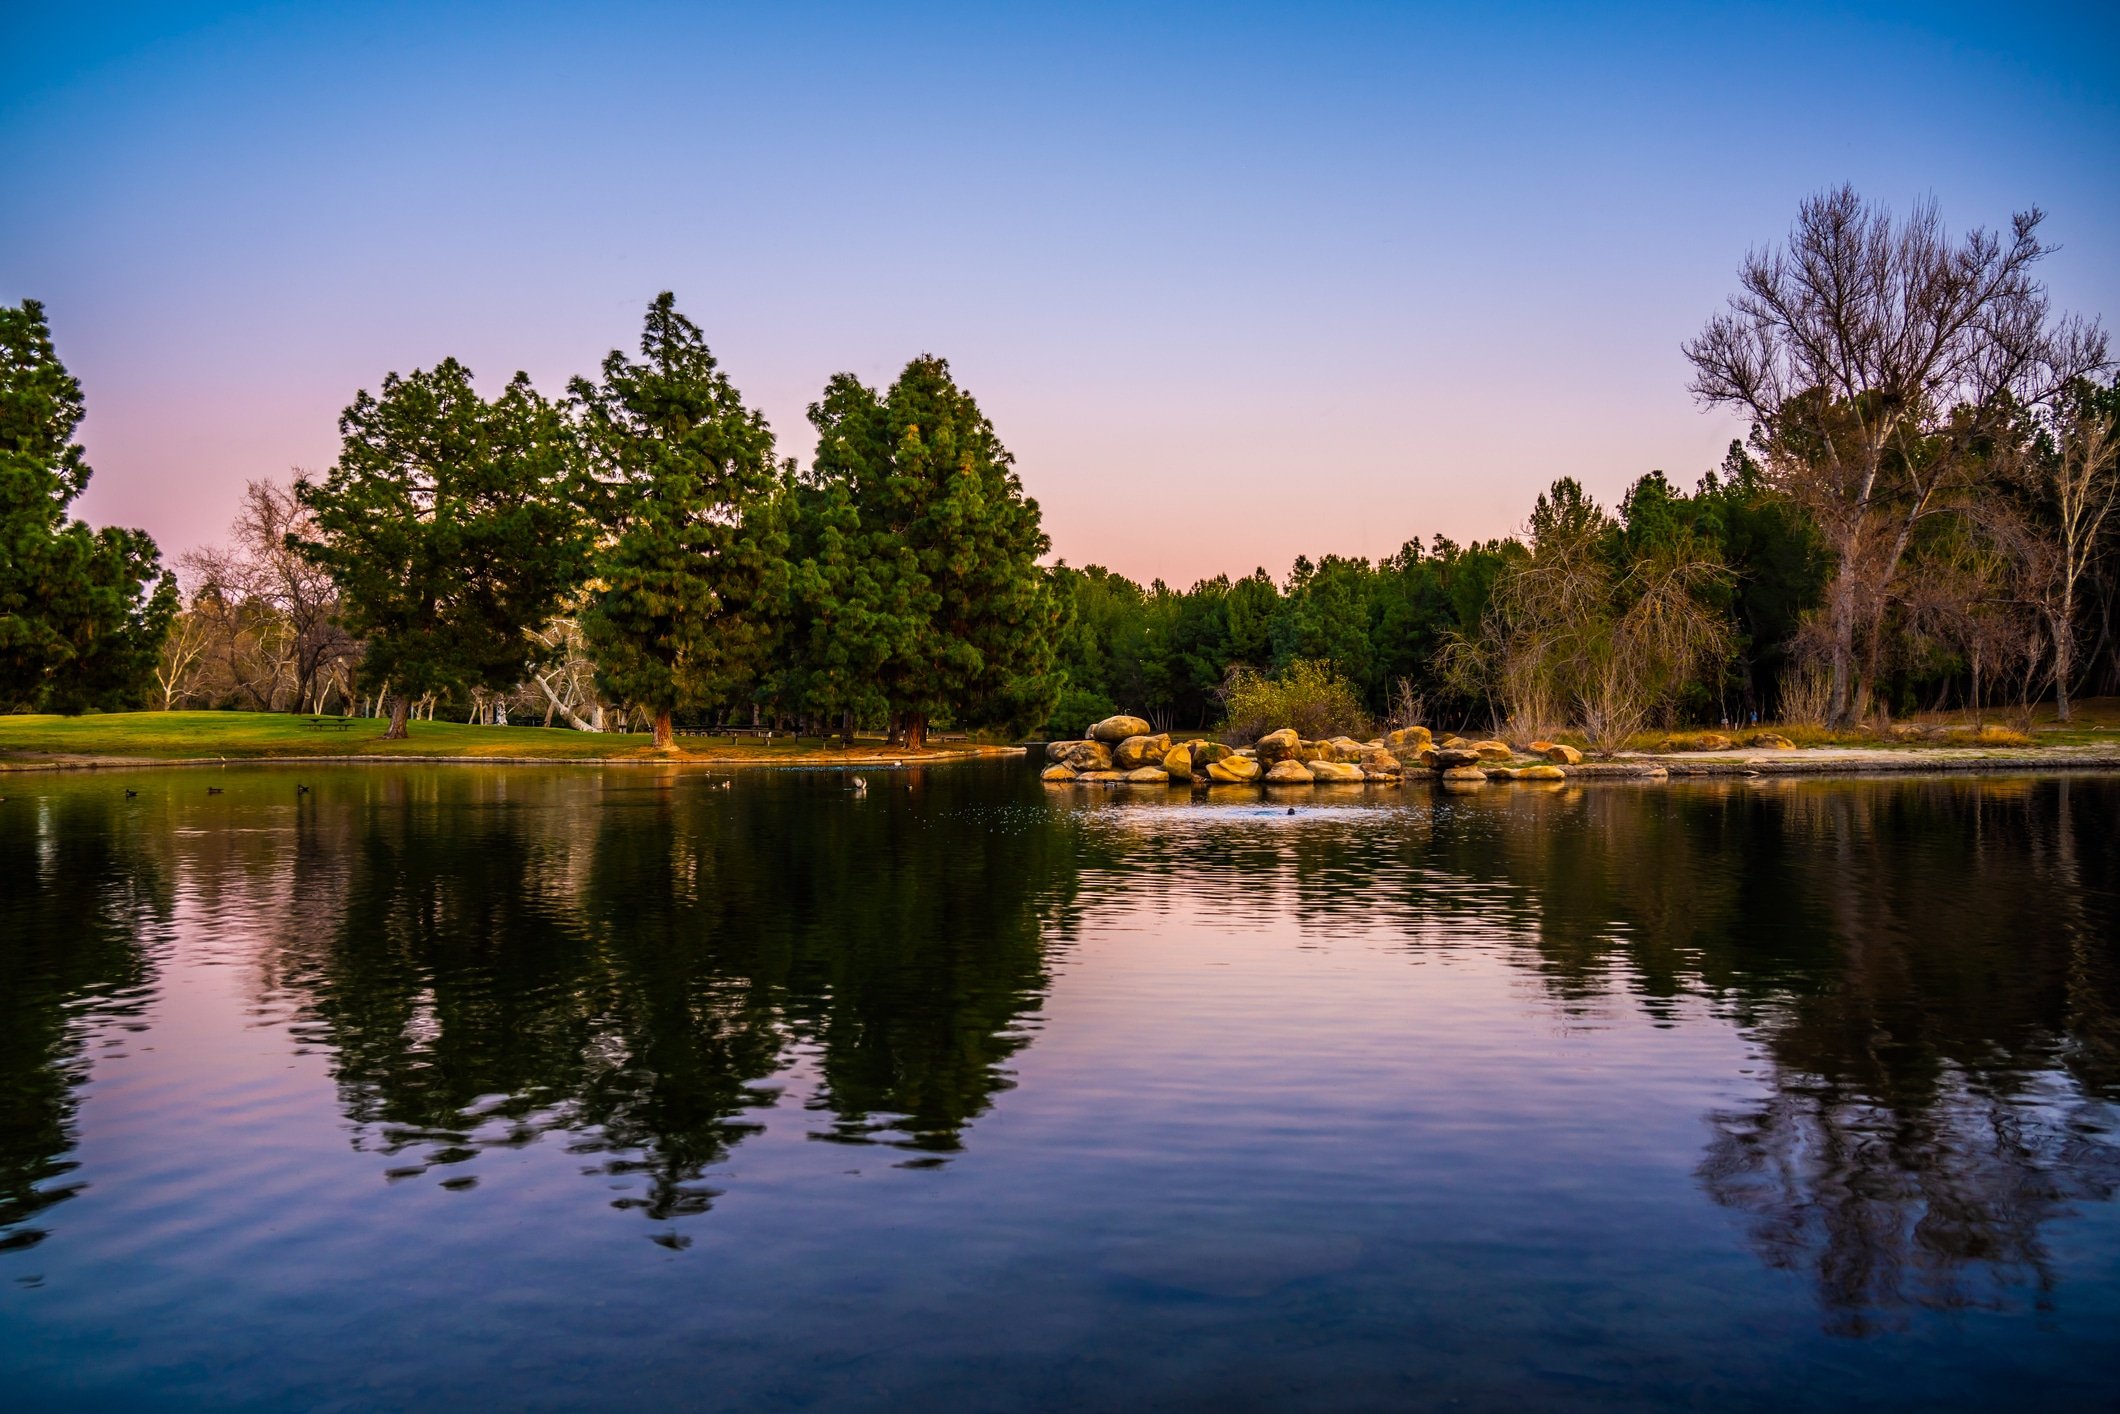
1082 755
1232 770
1338 772
1113 730
1138 751
1282 745
1289 773
1559 753
1057 773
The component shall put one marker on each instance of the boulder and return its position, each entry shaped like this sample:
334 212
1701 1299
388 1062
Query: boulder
1546 771
1113 730
1289 773
1467 774
1343 748
1210 751
1451 758
1381 777
1772 741
1492 750
1082 755
1057 773
1558 753
1233 770
1148 776
1178 763
1278 746
1339 772
1453 742
1409 739
1712 741
1308 751
1499 773
1249 753
1101 778
1138 751
1427 757
1376 760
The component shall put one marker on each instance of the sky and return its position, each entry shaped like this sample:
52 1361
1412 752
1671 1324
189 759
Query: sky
1234 283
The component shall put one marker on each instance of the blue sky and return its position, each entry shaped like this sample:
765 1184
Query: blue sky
1235 283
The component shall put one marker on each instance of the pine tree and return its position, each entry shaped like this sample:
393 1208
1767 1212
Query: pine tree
79 624
963 620
694 561
449 525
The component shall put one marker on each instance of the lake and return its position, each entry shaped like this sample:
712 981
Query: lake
569 1087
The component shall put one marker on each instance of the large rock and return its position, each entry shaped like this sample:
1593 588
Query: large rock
1233 770
1453 742
1211 751
1339 772
1057 773
1138 751
1289 773
1178 762
1342 748
1148 776
1492 750
1377 761
1559 753
1101 778
1451 758
1410 740
1082 755
1544 772
1499 773
1275 747
1113 730
1712 741
1468 775
1772 741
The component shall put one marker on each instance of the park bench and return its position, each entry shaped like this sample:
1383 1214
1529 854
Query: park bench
335 723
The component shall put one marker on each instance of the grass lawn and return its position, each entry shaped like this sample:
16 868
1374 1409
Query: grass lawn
185 736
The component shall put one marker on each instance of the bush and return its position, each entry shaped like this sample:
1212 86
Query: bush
1309 697
1077 709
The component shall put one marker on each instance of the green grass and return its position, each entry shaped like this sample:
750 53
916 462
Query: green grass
189 736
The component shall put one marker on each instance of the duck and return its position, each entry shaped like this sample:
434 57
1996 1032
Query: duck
301 790
130 793
213 790
861 785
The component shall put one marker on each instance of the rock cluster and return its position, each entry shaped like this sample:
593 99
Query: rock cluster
1127 751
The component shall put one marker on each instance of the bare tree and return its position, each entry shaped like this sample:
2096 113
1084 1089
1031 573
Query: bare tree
1875 358
2073 475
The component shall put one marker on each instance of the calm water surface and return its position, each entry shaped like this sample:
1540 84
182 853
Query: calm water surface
567 1088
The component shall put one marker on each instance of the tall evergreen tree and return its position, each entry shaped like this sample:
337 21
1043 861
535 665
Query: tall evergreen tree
693 567
967 619
449 525
82 612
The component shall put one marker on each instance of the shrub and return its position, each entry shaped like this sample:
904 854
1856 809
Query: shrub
1309 696
1077 709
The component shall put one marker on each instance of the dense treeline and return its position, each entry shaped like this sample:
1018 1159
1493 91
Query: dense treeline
1922 517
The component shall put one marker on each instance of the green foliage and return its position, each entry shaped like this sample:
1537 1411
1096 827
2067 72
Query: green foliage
82 612
925 583
1308 696
448 524
693 569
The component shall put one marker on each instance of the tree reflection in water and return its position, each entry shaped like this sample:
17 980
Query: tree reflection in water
639 973
1928 966
83 904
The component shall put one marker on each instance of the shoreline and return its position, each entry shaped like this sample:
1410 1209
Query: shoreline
81 761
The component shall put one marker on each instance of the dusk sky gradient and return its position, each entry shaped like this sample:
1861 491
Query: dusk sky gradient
1234 284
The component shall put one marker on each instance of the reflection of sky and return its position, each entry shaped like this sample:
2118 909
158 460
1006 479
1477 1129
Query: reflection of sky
1329 277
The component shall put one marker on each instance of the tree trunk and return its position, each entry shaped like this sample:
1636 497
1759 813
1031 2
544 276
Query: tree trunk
400 709
846 728
2064 630
1838 704
665 734
916 725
